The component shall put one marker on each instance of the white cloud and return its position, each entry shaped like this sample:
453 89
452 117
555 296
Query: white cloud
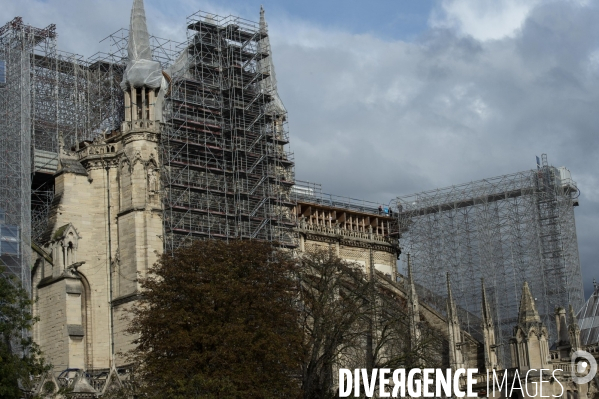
483 19
372 118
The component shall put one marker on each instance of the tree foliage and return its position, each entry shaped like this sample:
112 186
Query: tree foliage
353 319
20 357
243 319
334 297
219 320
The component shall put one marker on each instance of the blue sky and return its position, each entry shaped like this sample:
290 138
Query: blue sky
402 19
389 98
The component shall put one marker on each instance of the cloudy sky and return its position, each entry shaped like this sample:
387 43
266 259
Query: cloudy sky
389 98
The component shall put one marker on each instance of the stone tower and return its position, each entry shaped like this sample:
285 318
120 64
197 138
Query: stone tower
105 226
139 217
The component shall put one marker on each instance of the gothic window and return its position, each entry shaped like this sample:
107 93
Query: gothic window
70 254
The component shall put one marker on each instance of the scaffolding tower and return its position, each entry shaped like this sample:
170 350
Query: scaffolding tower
226 173
19 45
507 230
48 98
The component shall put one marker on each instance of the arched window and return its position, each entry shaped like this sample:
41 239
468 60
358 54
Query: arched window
70 258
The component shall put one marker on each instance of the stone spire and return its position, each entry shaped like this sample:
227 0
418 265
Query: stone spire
456 357
574 331
141 70
529 345
266 66
139 39
488 328
528 311
413 307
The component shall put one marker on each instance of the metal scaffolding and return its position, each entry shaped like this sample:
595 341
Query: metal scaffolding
45 94
19 44
226 172
507 230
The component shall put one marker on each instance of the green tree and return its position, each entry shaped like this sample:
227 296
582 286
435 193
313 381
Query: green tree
219 320
20 357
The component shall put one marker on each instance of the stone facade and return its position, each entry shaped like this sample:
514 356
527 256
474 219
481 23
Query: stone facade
106 231
356 236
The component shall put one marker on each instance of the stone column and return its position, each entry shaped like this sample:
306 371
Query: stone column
134 104
127 106
144 103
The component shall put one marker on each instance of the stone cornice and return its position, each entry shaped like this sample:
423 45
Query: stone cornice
46 281
139 209
141 126
125 299
349 240
101 162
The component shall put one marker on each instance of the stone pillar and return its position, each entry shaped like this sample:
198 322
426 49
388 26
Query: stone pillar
127 106
488 327
456 357
152 104
574 332
562 327
134 104
144 103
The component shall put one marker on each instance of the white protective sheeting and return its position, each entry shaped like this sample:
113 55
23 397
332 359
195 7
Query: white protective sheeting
141 69
269 85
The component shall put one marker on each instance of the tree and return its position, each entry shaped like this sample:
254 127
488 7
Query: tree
20 357
392 344
353 319
219 320
334 297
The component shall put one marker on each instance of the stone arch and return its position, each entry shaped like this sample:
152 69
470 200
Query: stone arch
136 158
124 162
533 333
65 242
86 318
151 163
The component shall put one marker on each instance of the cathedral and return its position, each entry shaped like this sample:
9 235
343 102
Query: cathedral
130 193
